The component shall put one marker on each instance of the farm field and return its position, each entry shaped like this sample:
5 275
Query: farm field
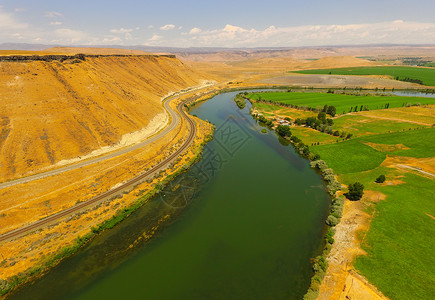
343 103
400 234
400 245
360 125
310 136
426 75
368 152
274 110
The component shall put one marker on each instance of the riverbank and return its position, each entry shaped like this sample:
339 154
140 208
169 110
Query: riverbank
382 146
26 257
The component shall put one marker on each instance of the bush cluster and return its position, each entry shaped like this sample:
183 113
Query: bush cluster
319 264
328 175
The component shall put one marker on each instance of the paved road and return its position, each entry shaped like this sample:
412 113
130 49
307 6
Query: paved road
172 125
128 185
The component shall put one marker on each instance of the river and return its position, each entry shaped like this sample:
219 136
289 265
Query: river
244 223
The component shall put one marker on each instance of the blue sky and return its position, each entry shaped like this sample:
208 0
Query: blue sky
217 23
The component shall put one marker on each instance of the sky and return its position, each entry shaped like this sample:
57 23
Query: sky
223 23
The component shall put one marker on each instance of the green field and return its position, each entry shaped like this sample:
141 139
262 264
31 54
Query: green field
426 75
342 103
309 136
355 156
432 64
360 125
400 244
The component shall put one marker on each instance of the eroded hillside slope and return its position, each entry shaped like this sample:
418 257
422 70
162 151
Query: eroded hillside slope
51 111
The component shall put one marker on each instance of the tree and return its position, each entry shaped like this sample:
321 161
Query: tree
356 191
331 111
299 121
380 179
322 117
329 122
310 121
283 130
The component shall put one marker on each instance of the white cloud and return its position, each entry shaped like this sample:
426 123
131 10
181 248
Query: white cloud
126 31
53 14
155 37
167 27
71 36
121 30
195 30
111 40
55 23
397 32
150 26
8 22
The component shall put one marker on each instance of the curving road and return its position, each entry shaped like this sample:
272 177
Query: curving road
127 185
173 116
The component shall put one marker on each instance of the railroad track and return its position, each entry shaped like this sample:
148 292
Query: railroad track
127 185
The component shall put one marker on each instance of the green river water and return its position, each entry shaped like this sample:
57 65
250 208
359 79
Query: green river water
246 220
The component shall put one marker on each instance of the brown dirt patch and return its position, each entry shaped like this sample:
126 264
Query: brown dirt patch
386 147
340 281
424 164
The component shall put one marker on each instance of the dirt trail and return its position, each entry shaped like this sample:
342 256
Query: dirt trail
341 282
396 119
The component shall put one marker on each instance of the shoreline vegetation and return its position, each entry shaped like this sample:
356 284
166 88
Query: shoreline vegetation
365 158
38 270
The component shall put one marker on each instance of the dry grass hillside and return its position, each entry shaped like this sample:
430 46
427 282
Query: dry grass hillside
51 111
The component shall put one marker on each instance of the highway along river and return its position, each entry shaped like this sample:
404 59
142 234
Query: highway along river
244 223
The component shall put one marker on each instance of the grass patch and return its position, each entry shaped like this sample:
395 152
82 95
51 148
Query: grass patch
426 75
310 136
400 245
355 156
360 125
344 103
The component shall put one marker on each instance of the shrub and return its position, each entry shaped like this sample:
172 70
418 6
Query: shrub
333 187
380 179
328 171
356 191
316 157
320 164
320 264
337 208
329 237
332 221
295 139
329 177
4 286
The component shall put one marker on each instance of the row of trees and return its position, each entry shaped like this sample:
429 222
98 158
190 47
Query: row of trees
407 79
322 124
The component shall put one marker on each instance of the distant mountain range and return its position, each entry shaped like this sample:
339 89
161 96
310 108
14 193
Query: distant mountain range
37 47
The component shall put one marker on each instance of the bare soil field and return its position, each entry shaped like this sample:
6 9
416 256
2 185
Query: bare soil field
339 81
386 52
